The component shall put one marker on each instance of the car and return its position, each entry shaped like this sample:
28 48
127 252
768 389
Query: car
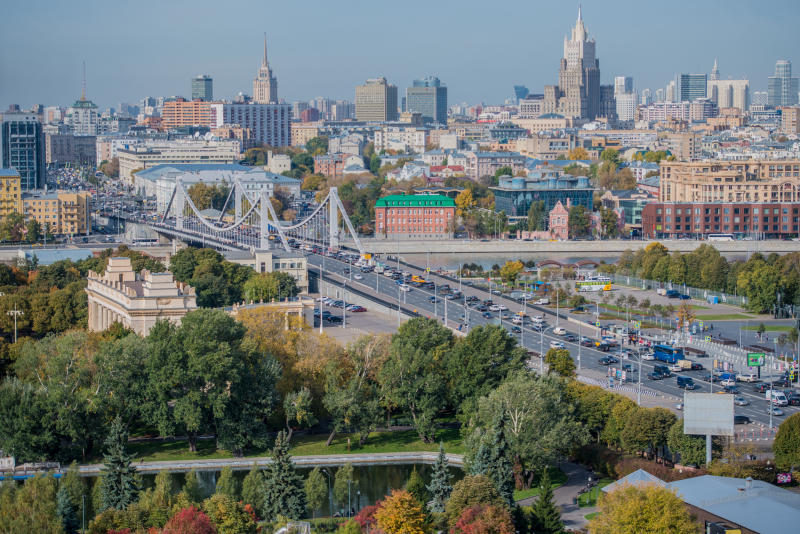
405 288
648 357
570 338
728 382
556 345
748 377
495 308
496 292
775 410
654 376
675 368
517 319
503 307
696 367
607 360
761 388
586 342
733 390
481 308
684 297
358 277
781 383
741 420
740 401
487 315
432 299
559 331
793 398
542 302
679 406
516 330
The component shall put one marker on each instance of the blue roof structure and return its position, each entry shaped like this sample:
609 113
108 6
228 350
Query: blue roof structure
50 256
8 173
638 477
157 171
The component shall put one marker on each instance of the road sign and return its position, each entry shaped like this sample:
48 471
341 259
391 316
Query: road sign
597 324
637 325
708 338
755 359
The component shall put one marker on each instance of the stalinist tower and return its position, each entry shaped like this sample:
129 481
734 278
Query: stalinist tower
265 84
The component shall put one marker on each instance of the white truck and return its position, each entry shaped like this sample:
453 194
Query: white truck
778 397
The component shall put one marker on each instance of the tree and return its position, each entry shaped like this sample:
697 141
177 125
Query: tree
578 153
226 483
156 503
545 515
253 487
469 491
298 409
685 316
74 484
191 487
410 378
189 521
120 486
316 490
416 487
464 202
66 511
439 486
608 222
692 449
578 221
344 484
503 171
642 510
228 515
510 271
787 443
283 488
647 429
400 513
267 287
560 362
31 507
499 467
483 519
610 155
537 216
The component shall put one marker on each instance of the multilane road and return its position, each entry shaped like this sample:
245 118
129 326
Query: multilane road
585 357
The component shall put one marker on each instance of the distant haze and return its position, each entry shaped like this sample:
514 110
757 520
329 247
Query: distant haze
479 49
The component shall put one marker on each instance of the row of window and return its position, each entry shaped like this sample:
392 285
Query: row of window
406 211
745 211
765 220
736 228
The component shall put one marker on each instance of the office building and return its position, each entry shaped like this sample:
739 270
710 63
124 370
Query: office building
782 87
429 98
82 116
693 86
671 94
646 97
577 94
659 96
728 93
136 301
63 148
63 213
10 192
376 101
22 148
180 113
402 139
203 88
790 120
265 84
270 124
514 195
479 164
414 217
520 92
626 107
622 85
759 98
683 145
136 157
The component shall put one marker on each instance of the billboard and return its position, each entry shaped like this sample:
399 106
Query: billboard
708 413
755 359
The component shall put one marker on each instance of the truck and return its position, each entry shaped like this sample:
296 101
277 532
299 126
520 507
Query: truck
684 364
661 291
778 397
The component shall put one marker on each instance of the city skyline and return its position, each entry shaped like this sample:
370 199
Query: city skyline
329 55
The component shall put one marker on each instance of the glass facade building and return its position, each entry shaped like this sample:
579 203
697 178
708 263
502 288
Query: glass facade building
203 88
428 97
514 195
22 148
693 86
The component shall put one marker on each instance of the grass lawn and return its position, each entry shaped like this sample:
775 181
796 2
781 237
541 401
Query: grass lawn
770 328
591 516
403 441
590 497
724 317
557 477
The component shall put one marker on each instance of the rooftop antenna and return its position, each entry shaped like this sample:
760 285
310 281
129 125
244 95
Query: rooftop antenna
83 84
264 62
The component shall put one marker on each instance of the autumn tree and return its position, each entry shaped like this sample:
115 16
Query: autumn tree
228 515
189 521
464 202
469 491
400 513
642 510
578 153
484 519
510 271
560 362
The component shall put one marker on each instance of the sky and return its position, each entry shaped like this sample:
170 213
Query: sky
479 49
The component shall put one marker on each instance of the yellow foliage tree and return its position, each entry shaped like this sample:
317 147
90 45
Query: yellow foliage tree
578 153
510 271
464 202
642 510
400 513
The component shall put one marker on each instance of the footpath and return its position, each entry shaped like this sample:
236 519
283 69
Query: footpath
572 515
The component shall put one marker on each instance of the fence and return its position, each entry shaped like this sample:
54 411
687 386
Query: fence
694 292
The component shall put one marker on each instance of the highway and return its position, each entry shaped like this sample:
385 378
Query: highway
585 357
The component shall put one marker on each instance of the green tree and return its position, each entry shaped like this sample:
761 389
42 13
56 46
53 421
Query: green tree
608 222
504 171
647 429
440 487
284 493
31 507
537 216
545 515
316 490
75 486
610 155
66 511
252 489
344 484
120 485
500 469
411 377
226 484
416 487
560 362
692 449
298 407
787 443
578 221
191 487
266 287
156 503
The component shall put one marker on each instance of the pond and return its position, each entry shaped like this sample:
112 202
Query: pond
371 483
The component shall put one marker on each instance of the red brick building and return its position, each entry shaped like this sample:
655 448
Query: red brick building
695 219
414 216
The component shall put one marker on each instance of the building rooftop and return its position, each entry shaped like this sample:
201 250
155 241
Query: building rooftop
414 201
8 173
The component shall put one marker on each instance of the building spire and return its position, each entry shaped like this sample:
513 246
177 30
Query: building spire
83 83
264 61
580 17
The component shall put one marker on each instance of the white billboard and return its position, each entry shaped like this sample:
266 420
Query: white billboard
708 413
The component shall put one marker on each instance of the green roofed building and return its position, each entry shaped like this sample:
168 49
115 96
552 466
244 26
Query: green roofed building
415 217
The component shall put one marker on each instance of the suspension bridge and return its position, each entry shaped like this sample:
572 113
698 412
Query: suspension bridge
248 220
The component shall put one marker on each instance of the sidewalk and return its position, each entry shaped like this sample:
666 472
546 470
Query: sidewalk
577 479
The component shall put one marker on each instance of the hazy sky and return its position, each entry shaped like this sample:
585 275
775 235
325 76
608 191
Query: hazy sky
480 49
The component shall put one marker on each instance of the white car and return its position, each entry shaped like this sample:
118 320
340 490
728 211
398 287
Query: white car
675 368
556 345
559 331
728 382
494 308
501 307
648 357
749 377
358 277
517 319
405 288
388 272
542 301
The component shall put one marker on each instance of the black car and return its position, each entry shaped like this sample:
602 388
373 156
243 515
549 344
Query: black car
710 378
761 388
481 308
794 399
654 376
516 329
570 338
607 360
741 420
697 366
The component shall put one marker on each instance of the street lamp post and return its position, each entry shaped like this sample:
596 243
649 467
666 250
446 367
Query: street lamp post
15 313
541 350
344 305
330 495
579 344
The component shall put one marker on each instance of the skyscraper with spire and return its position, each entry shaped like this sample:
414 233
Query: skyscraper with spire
265 84
82 115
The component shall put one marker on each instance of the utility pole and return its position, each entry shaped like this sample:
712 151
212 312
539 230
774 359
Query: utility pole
15 313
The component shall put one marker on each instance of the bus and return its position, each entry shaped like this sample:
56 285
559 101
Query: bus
592 285
720 237
667 353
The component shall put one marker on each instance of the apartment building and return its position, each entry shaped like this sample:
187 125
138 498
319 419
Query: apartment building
401 139
180 113
790 120
10 192
487 163
64 213
269 123
414 216
730 181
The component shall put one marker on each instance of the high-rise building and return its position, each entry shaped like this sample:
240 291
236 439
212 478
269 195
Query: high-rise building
82 115
693 86
647 97
179 113
759 98
577 94
782 88
729 93
429 98
265 84
623 84
672 92
203 88
270 124
376 101
626 107
714 72
659 95
22 148
520 92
